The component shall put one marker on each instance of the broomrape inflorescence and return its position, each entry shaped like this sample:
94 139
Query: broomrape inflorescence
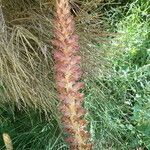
67 76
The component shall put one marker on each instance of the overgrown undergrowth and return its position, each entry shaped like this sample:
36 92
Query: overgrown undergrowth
117 93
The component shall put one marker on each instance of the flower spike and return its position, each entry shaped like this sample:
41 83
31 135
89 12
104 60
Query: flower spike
67 75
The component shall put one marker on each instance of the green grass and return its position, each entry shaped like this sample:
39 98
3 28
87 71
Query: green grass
29 130
118 102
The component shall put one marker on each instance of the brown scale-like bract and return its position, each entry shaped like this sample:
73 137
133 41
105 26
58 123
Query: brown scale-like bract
67 76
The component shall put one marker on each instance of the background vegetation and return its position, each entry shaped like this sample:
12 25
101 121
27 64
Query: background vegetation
115 46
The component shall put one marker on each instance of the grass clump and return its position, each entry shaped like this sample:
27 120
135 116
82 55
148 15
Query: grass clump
118 103
29 129
26 64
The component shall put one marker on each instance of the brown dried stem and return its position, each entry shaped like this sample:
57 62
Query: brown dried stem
7 141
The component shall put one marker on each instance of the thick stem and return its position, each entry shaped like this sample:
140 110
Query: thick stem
67 75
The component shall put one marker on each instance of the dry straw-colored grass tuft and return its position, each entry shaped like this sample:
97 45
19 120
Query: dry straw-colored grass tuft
25 63
26 66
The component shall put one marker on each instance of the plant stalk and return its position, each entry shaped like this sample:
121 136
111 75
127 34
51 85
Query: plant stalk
67 76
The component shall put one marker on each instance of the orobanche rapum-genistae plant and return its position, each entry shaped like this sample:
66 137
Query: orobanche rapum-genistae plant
67 76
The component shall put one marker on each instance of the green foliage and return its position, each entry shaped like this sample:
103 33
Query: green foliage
118 103
29 130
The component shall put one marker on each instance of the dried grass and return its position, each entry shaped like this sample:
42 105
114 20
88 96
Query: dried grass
26 65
